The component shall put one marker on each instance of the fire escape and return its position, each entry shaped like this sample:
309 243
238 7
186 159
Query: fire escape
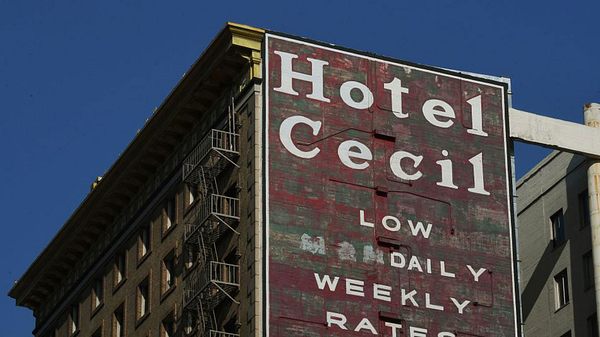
211 280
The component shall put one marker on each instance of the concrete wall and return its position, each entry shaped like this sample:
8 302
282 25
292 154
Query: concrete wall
552 185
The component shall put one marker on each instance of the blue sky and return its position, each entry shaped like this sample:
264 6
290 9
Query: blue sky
78 79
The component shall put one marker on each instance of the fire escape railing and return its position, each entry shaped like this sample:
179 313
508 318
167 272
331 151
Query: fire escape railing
210 280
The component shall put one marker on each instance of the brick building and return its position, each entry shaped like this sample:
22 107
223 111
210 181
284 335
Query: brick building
165 242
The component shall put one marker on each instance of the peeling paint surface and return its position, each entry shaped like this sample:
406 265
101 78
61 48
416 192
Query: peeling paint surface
372 256
313 245
367 231
346 252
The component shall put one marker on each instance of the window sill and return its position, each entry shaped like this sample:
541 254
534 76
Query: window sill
168 231
188 271
190 207
96 309
119 285
141 259
166 293
141 320
561 307
192 332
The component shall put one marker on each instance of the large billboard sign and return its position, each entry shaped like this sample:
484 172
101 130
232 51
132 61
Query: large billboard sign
387 198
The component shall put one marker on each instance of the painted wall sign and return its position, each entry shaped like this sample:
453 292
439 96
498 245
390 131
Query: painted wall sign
387 198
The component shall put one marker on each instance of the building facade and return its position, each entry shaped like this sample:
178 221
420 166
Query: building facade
165 243
237 212
557 280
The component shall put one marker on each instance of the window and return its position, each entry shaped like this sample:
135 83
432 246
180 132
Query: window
588 271
143 298
190 323
97 293
74 319
584 209
168 272
561 289
144 243
170 214
192 194
190 257
120 270
118 322
592 325
167 327
558 227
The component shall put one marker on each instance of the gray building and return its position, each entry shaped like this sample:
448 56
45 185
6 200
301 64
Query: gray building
557 281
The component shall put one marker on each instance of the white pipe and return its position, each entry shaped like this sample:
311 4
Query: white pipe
592 119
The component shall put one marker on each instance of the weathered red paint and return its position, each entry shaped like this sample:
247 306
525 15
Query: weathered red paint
320 197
